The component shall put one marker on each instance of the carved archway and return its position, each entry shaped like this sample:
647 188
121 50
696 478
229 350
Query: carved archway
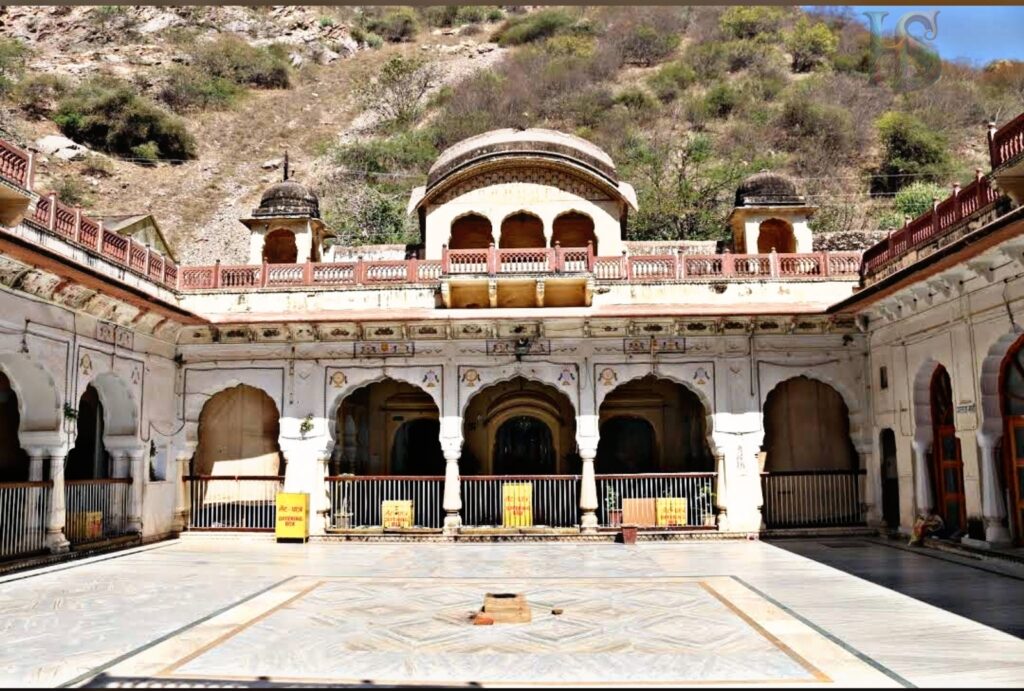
522 230
574 229
776 234
238 434
280 247
471 231
13 459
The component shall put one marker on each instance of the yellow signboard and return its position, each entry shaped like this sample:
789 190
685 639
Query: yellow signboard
517 504
670 511
396 514
85 525
292 516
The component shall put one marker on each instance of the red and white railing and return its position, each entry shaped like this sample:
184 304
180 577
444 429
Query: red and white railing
1006 143
962 204
16 165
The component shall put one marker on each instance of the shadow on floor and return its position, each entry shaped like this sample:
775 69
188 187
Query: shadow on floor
110 681
988 598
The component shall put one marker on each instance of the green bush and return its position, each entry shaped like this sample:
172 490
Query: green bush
752 21
374 40
109 114
810 44
411 150
394 25
38 94
646 45
708 60
917 197
147 153
186 88
721 100
470 14
12 62
495 14
743 53
533 27
231 58
400 89
71 190
637 100
585 107
439 15
910 151
810 126
326 22
580 46
671 80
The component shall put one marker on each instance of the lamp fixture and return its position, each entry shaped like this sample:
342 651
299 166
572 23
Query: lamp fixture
522 348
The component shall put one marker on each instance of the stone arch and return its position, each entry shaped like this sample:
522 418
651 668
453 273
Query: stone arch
667 438
991 382
922 401
14 462
372 424
120 412
522 230
39 406
862 437
530 375
470 231
246 440
709 409
778 436
412 378
574 229
777 234
280 247
484 416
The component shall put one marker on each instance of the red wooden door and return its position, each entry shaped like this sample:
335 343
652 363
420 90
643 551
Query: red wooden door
947 464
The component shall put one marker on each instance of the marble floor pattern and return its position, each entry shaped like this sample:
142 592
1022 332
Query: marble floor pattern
231 611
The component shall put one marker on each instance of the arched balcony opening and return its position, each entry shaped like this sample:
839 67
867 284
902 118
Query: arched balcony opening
522 230
776 234
280 247
470 232
574 229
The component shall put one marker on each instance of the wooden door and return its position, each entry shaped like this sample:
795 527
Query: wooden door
1015 476
947 464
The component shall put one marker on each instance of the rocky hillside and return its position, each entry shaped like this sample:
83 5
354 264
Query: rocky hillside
185 112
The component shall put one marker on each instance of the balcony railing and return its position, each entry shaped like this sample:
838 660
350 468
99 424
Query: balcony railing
928 227
233 502
1007 143
23 510
812 498
96 509
73 227
15 165
554 500
543 261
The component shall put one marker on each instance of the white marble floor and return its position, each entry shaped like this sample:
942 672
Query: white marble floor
235 610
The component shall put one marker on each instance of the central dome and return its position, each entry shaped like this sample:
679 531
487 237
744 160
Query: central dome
288 198
768 189
533 141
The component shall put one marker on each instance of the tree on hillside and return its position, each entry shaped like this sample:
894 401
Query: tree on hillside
398 92
911 152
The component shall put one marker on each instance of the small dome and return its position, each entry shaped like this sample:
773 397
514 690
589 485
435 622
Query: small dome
288 198
767 189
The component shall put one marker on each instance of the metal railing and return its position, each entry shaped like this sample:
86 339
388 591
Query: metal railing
812 498
23 511
555 499
356 499
96 509
233 502
697 488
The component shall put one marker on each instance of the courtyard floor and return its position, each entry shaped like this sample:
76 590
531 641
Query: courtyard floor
236 611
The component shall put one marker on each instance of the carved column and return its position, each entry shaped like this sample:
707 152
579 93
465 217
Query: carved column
33 514
721 489
586 440
452 448
922 483
136 461
182 504
993 509
55 540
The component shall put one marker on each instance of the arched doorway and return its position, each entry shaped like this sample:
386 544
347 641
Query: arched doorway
776 234
280 248
946 464
542 414
890 480
674 438
88 458
522 230
1012 400
388 427
470 232
574 229
13 459
523 445
238 434
810 464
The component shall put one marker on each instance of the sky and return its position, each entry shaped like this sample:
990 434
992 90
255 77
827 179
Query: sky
978 34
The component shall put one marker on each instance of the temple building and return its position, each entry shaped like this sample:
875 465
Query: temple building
529 369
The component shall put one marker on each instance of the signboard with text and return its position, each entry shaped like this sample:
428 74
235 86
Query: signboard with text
517 504
292 520
670 511
396 513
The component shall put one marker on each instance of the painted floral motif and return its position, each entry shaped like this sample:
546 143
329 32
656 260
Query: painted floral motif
701 376
608 376
470 377
85 365
430 379
338 380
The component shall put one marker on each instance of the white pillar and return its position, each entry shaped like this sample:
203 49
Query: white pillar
924 503
872 486
136 459
35 474
306 471
721 492
587 438
182 495
452 448
55 540
993 508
